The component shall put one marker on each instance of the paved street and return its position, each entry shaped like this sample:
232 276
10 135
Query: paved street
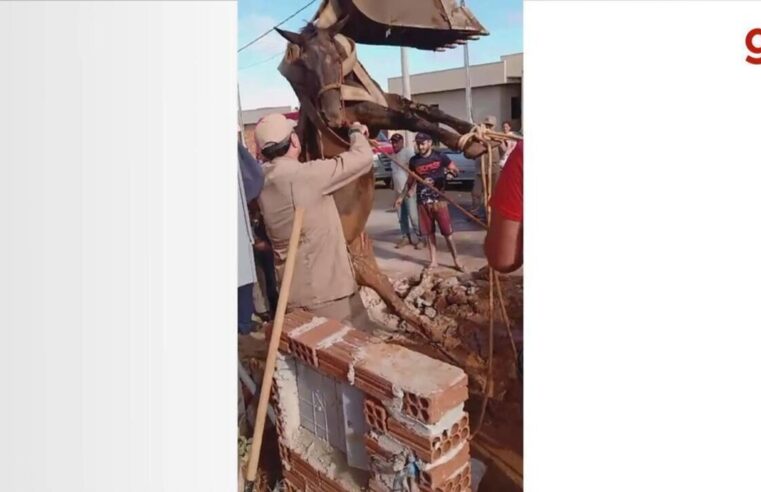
383 228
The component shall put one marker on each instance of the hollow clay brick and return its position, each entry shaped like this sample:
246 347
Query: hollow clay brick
303 468
439 475
374 448
375 415
336 358
329 485
292 321
430 448
458 482
304 345
426 399
297 481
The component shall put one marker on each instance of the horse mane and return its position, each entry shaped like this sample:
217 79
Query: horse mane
309 30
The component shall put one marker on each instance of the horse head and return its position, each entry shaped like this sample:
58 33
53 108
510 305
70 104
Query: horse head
321 55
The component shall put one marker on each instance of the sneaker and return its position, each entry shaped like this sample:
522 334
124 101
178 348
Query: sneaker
402 243
420 244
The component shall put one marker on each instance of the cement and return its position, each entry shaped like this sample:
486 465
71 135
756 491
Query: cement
316 321
328 461
334 338
285 379
428 430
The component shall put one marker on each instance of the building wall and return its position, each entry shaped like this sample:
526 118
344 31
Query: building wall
252 116
492 100
248 134
451 79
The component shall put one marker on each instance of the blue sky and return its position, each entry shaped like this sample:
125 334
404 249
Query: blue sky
262 85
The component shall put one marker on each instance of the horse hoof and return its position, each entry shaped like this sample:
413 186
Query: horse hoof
474 150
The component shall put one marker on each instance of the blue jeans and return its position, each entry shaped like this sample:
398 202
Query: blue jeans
245 308
407 213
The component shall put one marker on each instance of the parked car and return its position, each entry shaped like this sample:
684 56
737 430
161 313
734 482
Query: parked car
467 167
381 161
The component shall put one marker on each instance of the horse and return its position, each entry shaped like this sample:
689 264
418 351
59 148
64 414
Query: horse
334 90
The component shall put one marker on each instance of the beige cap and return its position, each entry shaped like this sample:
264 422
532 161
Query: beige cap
272 129
490 120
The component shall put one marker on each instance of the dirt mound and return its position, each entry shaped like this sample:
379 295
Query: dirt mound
458 306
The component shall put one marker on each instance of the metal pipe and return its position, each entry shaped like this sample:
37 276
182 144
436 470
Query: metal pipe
468 95
406 90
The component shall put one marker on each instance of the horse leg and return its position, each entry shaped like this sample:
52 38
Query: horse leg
428 113
368 274
376 116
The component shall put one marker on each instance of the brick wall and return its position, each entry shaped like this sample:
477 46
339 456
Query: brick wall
248 134
413 408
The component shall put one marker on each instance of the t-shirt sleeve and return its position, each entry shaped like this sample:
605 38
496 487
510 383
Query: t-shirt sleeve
508 194
445 161
413 164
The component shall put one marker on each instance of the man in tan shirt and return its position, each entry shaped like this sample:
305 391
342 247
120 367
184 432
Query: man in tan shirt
323 279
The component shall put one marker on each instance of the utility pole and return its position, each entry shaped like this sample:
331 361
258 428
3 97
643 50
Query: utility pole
468 98
406 91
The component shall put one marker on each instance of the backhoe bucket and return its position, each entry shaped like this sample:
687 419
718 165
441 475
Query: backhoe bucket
422 24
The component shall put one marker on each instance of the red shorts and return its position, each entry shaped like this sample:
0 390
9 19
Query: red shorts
437 213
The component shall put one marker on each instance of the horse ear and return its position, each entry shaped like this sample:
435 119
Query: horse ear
339 25
292 37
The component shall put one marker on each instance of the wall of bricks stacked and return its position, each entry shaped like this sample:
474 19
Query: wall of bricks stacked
413 407
248 134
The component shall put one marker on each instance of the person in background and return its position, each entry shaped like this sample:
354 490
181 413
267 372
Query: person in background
505 148
406 209
323 279
432 166
504 239
265 260
252 178
477 193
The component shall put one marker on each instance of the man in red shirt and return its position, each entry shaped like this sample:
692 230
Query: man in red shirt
504 240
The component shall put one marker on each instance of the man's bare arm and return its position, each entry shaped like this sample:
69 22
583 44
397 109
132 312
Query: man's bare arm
504 244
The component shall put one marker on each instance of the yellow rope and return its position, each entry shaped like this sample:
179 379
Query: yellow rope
486 178
482 134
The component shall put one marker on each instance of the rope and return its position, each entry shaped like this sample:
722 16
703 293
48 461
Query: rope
487 179
482 134
503 309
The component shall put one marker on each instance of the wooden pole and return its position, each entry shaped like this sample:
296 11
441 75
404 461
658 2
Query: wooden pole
277 328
